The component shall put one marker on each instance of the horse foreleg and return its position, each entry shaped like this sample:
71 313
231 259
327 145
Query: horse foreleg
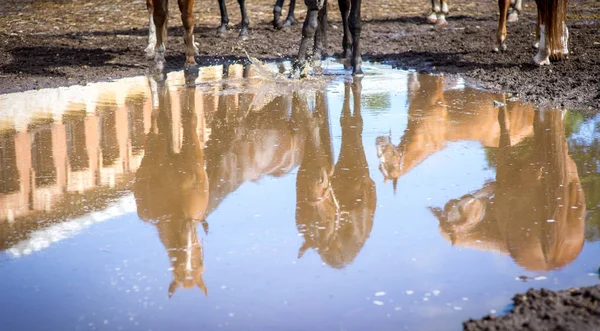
346 41
151 30
160 16
441 20
187 18
435 9
308 31
320 37
277 14
501 30
355 27
536 45
222 30
244 31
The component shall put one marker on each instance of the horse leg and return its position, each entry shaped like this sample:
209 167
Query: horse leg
514 10
543 55
222 30
435 9
151 30
320 37
501 31
187 18
160 16
277 24
346 41
308 32
290 19
536 45
442 14
355 27
244 31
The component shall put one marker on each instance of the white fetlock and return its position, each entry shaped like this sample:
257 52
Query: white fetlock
513 17
151 37
441 20
565 40
150 51
432 18
445 8
542 58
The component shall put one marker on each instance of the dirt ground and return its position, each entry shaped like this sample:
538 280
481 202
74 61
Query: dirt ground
575 309
45 43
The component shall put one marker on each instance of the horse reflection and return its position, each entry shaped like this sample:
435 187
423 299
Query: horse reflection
535 209
248 144
434 122
335 204
171 189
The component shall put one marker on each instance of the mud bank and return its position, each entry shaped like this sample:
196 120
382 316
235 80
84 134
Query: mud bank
47 44
574 309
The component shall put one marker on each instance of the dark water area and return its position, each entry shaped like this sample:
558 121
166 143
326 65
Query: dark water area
241 200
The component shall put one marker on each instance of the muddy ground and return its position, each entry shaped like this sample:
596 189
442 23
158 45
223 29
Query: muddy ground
575 309
45 43
65 42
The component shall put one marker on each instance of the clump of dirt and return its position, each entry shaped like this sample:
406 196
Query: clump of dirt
574 309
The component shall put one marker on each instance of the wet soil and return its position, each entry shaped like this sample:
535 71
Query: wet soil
60 42
574 309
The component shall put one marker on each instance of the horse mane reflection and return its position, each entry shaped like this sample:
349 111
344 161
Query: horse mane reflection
535 209
335 204
171 189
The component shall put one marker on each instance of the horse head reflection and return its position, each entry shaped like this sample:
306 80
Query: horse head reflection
335 203
171 187
534 211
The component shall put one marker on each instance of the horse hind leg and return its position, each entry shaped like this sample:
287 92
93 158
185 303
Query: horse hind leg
290 19
501 30
222 30
308 32
543 55
355 29
346 41
160 16
277 24
320 39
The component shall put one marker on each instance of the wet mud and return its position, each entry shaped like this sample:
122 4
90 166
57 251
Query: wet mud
54 43
574 309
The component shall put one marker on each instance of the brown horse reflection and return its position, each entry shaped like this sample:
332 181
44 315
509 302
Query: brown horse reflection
434 122
335 204
171 189
535 209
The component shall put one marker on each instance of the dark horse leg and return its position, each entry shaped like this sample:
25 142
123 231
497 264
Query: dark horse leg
222 30
320 38
289 21
311 24
346 41
355 28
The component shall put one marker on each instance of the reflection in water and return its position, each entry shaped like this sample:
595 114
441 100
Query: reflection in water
171 189
335 204
535 209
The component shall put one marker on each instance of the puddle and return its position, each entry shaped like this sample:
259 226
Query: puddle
400 201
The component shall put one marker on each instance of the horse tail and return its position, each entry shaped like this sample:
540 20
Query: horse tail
554 14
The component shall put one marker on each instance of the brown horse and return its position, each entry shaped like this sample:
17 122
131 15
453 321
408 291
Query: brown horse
335 204
315 29
171 189
534 211
552 34
158 11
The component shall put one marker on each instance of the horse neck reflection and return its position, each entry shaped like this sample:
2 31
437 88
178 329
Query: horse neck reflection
438 118
171 187
335 204
535 209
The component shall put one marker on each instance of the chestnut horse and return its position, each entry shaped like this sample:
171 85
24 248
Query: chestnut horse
158 11
439 10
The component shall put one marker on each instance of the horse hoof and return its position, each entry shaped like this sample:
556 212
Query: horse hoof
541 60
278 24
358 72
513 17
289 22
243 36
441 21
432 18
222 31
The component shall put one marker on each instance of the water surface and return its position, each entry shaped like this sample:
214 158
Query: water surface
236 199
